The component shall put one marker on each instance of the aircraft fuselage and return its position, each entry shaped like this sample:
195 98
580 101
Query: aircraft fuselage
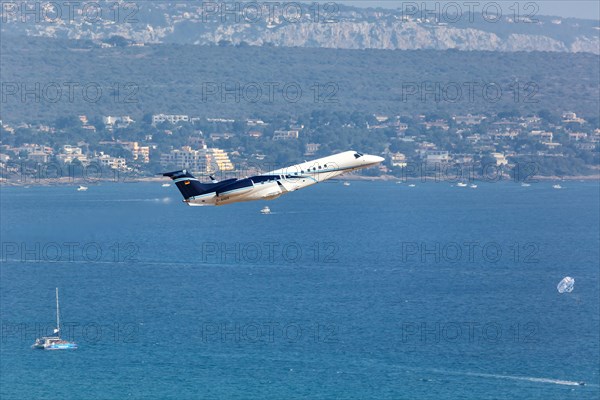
272 184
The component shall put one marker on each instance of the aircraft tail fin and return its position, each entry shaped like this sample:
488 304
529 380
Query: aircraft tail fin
187 184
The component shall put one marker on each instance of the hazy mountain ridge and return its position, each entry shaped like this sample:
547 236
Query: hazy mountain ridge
180 79
398 36
346 28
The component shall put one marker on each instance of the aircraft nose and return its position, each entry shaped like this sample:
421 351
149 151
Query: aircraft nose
374 159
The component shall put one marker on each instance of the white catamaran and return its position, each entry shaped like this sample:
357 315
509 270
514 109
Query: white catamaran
54 342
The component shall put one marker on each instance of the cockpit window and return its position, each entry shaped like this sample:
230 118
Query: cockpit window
358 155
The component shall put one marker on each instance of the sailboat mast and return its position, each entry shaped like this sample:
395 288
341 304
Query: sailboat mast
57 314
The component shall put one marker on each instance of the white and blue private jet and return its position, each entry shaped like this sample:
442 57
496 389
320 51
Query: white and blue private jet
270 185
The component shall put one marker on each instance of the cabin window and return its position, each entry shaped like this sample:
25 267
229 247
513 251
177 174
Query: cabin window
357 155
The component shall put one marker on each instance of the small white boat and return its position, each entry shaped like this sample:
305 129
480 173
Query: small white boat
265 210
399 182
473 186
412 185
166 184
525 184
82 188
461 184
557 186
54 342
346 183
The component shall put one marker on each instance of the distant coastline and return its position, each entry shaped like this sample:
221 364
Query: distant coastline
68 181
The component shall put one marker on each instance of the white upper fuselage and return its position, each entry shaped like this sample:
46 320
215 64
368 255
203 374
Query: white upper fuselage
292 178
325 168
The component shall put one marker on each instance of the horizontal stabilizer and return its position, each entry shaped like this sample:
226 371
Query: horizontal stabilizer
178 174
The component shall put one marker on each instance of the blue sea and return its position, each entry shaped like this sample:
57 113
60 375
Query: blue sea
376 290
